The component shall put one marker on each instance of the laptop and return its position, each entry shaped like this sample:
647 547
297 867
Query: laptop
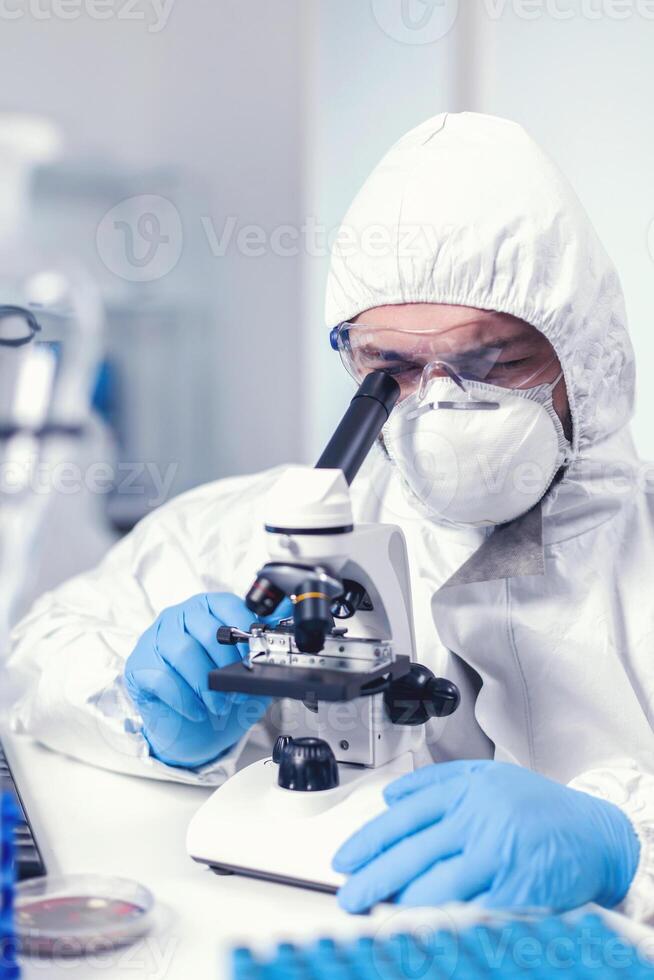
28 858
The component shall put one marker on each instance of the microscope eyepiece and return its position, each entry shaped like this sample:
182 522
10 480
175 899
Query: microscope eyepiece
382 387
361 424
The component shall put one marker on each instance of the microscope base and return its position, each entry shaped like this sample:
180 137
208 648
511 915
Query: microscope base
251 826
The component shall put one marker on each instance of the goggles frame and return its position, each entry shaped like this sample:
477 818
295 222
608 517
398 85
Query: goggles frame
340 342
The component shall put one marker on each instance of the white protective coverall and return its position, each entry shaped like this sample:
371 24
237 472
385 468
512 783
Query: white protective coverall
546 623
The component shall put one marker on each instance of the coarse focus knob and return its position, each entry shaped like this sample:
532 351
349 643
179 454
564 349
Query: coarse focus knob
280 744
418 696
307 765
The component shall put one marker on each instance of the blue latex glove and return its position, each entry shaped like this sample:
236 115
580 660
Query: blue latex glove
167 673
502 835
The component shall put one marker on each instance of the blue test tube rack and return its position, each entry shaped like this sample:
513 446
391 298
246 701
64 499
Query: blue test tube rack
581 945
9 969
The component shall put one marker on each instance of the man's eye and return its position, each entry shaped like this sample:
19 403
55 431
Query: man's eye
400 368
509 365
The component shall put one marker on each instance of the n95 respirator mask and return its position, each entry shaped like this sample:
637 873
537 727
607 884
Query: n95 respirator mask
478 455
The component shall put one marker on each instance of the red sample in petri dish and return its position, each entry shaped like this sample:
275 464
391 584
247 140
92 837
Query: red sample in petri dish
74 915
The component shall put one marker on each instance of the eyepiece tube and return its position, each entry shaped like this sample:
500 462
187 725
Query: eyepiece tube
361 424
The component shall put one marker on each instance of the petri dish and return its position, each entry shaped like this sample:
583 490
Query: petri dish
73 915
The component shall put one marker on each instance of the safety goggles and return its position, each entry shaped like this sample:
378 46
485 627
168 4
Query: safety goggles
414 357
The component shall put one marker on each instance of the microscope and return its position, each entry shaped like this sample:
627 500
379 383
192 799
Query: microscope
346 661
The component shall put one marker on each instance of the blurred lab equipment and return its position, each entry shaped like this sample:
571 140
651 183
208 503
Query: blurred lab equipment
140 234
50 337
50 346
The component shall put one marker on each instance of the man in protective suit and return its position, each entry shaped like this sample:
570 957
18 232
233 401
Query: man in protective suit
467 269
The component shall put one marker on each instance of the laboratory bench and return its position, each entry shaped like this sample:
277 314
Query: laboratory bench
91 820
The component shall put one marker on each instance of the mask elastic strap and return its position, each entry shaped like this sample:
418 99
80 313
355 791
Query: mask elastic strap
554 383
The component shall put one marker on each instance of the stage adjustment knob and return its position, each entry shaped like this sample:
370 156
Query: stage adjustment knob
307 765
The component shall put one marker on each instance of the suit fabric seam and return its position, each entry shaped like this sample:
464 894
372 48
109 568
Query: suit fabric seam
525 691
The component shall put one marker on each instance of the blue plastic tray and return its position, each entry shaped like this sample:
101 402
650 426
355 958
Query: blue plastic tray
582 946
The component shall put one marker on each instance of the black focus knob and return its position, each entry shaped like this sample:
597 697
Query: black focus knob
418 696
230 636
307 765
226 636
280 744
353 598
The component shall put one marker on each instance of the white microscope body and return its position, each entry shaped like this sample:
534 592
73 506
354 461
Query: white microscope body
347 659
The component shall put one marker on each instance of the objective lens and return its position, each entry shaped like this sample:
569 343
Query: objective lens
312 617
263 597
